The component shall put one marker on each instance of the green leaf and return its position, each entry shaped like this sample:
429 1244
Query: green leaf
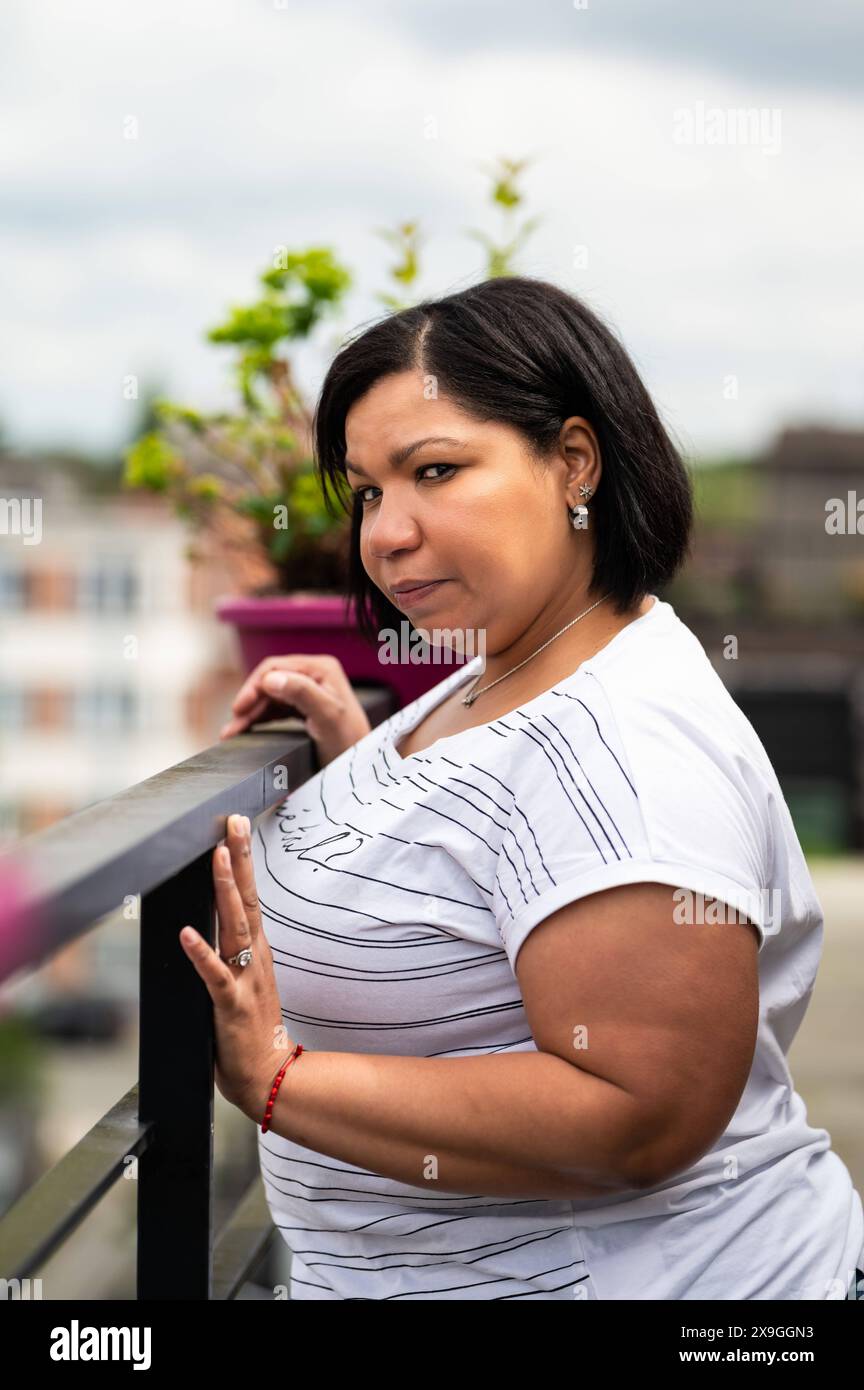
265 323
281 544
169 412
207 487
260 508
151 463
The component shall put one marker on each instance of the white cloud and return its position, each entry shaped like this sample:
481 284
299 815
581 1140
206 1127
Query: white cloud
260 126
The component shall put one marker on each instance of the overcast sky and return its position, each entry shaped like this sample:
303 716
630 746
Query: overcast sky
731 269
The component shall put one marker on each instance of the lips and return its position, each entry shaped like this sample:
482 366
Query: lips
417 594
411 584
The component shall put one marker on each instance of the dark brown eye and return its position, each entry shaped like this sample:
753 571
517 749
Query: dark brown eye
358 492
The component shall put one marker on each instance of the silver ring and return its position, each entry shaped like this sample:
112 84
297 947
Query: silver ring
243 957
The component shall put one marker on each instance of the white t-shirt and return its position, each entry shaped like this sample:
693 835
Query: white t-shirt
396 893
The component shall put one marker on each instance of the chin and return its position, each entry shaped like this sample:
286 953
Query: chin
464 641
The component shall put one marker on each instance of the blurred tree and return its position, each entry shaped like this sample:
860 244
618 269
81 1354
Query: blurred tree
507 197
247 477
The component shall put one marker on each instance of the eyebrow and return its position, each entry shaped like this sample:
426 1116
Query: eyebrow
399 456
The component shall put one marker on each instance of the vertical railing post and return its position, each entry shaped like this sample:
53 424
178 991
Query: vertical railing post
176 1063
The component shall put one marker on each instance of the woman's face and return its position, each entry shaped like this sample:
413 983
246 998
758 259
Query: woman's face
473 509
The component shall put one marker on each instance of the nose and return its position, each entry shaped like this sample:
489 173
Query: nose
392 528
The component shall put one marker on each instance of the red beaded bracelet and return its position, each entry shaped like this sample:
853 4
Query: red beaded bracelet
276 1084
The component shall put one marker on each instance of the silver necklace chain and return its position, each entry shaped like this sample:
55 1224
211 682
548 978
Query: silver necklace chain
472 694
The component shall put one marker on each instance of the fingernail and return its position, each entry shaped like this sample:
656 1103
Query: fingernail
237 824
247 825
275 681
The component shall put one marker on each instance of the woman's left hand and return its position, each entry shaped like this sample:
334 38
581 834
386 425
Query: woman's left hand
251 1042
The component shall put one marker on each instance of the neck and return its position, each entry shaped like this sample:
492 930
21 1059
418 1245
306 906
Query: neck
564 651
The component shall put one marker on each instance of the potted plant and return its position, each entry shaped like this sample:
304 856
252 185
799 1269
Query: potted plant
23 1085
245 480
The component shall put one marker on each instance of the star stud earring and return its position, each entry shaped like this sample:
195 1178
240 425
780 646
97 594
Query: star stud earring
579 513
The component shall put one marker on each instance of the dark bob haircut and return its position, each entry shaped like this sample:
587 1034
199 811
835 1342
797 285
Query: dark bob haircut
521 352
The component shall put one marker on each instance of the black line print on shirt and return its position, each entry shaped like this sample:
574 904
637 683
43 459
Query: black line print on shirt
296 841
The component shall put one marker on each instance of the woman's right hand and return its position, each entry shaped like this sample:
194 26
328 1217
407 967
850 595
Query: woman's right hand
314 687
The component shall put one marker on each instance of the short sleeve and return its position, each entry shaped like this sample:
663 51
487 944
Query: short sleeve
594 808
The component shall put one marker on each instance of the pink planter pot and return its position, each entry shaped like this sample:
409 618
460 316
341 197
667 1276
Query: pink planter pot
19 926
322 624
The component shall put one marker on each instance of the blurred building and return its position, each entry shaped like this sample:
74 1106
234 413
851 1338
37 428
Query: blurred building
774 589
813 481
112 664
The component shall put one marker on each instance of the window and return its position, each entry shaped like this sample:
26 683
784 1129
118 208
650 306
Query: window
11 708
105 708
13 590
109 586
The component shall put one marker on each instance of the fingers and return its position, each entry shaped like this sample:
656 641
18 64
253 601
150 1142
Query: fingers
251 687
234 933
214 972
249 690
318 705
241 722
287 679
250 703
240 847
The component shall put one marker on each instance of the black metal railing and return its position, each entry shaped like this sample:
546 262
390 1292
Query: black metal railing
156 840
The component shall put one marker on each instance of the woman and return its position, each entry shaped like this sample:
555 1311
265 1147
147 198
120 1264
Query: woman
547 933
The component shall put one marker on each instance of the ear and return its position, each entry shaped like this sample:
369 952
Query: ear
580 450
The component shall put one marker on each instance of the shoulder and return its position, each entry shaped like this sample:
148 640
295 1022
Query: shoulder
700 771
652 716
688 745
639 767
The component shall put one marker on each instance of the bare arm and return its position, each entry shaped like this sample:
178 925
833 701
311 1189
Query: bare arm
516 1124
646 1030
